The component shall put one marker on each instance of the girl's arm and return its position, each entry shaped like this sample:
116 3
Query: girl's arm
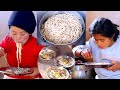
83 51
77 50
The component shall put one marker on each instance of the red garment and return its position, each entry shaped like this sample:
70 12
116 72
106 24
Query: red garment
30 52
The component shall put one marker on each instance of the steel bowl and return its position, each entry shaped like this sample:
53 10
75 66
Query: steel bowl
51 13
56 72
81 72
65 61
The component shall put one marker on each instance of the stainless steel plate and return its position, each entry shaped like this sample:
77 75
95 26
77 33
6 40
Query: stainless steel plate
98 64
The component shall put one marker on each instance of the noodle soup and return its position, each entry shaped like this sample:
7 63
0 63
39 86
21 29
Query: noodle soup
56 72
47 53
65 61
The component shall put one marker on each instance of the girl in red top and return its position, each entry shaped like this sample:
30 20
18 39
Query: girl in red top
22 24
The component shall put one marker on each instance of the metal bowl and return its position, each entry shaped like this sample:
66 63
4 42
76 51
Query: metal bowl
65 61
81 72
51 13
47 53
56 72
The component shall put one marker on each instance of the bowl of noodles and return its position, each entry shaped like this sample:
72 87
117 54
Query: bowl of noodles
65 61
61 27
57 72
47 53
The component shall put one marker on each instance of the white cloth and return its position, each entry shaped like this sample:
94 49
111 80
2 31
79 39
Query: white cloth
7 77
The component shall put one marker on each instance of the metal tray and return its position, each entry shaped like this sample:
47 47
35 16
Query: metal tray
97 64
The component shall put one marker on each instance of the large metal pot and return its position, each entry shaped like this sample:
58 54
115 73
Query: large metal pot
81 72
51 13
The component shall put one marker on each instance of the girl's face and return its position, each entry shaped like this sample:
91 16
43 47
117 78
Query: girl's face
102 41
19 35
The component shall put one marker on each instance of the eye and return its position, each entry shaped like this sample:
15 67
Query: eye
22 34
14 34
95 40
102 40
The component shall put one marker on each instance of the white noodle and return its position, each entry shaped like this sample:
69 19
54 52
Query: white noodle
18 53
62 28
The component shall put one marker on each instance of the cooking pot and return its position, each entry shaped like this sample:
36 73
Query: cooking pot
51 13
81 72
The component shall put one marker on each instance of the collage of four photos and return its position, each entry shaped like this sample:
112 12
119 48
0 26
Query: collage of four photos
59 45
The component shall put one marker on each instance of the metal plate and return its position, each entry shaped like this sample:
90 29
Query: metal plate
97 64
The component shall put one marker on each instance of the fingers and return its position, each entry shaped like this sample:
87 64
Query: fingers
114 62
86 53
89 52
2 53
115 66
112 68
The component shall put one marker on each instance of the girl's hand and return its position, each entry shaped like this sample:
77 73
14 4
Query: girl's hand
115 66
86 53
2 53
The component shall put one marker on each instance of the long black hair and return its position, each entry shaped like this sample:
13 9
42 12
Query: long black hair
105 27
